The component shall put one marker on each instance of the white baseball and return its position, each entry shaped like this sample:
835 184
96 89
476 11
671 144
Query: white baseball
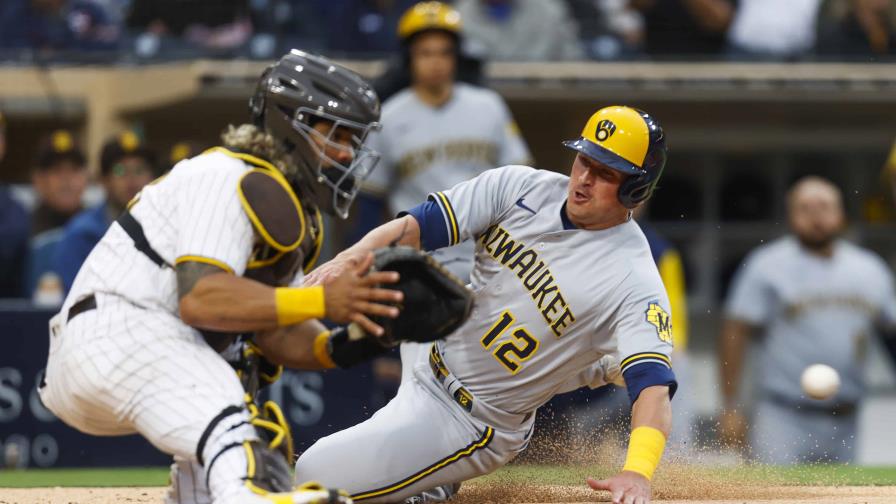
820 381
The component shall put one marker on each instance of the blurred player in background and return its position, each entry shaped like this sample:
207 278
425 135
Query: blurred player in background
126 165
566 292
438 132
13 234
59 179
816 299
209 253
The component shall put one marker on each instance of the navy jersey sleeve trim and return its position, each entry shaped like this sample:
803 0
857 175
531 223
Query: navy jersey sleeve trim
648 374
433 231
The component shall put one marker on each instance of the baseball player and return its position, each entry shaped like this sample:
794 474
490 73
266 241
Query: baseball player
213 249
816 299
566 293
437 132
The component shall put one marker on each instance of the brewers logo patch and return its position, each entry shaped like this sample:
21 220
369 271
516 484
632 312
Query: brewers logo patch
605 130
659 318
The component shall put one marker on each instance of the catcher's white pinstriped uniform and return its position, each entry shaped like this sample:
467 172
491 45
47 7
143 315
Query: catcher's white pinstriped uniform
556 308
131 365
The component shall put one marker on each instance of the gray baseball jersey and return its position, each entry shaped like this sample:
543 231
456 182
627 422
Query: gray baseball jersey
425 148
555 307
550 301
813 310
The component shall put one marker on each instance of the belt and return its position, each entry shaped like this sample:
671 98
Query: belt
461 396
476 407
133 228
84 305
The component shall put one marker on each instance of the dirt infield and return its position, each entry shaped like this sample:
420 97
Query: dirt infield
487 493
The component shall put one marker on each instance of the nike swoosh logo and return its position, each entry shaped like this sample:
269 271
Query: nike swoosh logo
520 204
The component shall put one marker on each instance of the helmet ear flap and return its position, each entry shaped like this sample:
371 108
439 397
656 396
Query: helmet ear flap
257 102
635 190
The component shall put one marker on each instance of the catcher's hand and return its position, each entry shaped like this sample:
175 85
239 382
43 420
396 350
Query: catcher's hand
435 301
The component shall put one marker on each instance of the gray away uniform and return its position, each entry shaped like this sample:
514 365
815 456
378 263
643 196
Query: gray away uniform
812 310
557 308
425 149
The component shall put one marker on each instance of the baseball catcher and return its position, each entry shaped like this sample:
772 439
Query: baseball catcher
214 251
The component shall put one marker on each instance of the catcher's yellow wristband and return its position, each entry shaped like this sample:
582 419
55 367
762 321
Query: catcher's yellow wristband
645 448
322 350
297 304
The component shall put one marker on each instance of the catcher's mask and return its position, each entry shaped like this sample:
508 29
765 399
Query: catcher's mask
630 141
303 90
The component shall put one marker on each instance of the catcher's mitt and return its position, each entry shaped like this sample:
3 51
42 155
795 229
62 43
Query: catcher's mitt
435 301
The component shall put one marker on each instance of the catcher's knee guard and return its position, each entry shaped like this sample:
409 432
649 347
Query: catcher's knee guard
256 444
271 426
266 470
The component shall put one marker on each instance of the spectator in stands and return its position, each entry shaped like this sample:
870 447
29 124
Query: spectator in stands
126 165
773 30
181 151
816 299
13 235
59 179
522 30
214 25
362 27
47 25
685 28
857 28
609 29
437 132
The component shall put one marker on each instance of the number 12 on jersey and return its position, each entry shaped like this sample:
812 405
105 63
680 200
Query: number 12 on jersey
511 353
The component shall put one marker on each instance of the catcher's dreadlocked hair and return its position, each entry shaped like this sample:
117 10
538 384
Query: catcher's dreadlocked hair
253 140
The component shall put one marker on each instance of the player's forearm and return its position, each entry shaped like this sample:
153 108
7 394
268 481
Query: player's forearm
228 303
401 231
292 346
732 346
651 423
653 409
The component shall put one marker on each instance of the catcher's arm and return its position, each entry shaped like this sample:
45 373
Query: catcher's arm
214 299
404 230
292 346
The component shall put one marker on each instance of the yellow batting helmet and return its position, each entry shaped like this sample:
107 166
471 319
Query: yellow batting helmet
630 141
428 16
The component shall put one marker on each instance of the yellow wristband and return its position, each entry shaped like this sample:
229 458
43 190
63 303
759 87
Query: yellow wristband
297 304
322 351
645 448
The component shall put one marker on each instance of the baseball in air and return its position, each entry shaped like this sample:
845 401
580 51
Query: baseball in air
820 381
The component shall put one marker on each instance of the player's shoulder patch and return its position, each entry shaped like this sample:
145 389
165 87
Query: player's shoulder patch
273 208
659 318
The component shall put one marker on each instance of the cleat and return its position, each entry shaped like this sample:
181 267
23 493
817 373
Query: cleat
308 493
442 493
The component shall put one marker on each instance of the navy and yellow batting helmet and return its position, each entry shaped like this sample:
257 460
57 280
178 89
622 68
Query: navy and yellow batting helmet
630 141
426 16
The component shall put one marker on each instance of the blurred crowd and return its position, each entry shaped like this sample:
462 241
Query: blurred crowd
47 231
513 30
